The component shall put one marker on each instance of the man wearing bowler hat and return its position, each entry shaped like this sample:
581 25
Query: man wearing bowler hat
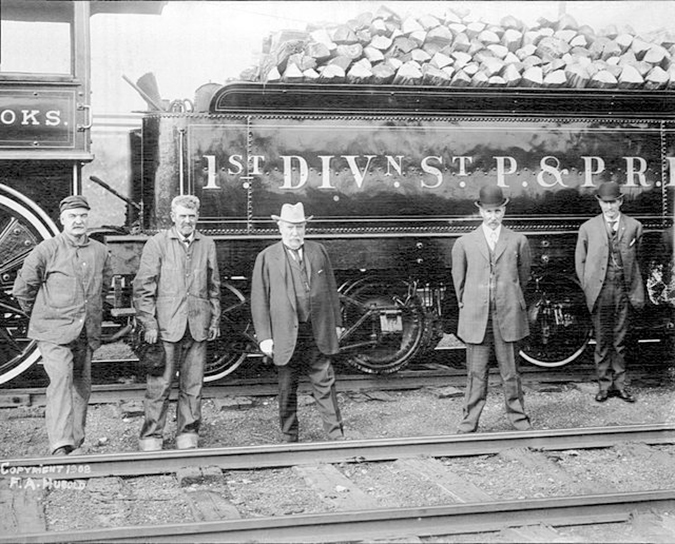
297 320
606 260
61 286
490 270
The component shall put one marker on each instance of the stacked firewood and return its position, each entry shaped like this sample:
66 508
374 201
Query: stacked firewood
452 50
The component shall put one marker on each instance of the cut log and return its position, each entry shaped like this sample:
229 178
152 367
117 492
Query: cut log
364 36
273 76
630 78
383 74
342 34
434 76
474 28
628 58
603 80
532 60
577 76
460 79
532 77
420 56
342 62
293 74
321 36
511 75
441 36
373 55
387 14
408 74
496 81
488 37
378 27
656 55
479 79
552 48
624 41
526 51
499 51
579 40
512 39
671 77
461 58
611 49
450 71
439 60
410 25
361 72
318 51
401 46
381 42
452 17
310 76
471 69
427 22
418 37
461 43
566 35
492 67
511 22
567 22
353 51
555 79
640 48
597 46
657 79
394 63
610 31
332 73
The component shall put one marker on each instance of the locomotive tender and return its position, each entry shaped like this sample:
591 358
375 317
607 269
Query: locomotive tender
390 174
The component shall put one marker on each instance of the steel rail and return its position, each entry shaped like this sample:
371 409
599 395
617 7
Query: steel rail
350 451
267 386
392 523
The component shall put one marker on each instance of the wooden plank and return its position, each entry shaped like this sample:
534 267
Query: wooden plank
207 505
21 501
438 474
12 400
534 533
334 488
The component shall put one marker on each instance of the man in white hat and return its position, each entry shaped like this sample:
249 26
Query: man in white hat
297 320
490 270
606 260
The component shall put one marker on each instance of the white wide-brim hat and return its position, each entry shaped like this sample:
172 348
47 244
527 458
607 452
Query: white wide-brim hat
292 213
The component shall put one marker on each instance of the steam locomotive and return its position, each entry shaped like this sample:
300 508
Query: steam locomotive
390 174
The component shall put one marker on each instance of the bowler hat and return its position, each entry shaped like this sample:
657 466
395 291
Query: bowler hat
292 213
491 196
609 191
73 202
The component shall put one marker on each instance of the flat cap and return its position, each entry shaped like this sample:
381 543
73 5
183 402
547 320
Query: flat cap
74 201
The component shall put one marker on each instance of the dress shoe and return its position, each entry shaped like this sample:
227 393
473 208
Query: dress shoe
624 395
602 396
464 431
62 451
289 439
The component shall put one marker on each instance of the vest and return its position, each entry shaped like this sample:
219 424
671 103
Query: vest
301 287
615 263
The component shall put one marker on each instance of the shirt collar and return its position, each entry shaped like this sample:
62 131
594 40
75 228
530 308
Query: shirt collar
72 241
487 230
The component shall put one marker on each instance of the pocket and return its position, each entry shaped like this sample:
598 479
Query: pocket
60 291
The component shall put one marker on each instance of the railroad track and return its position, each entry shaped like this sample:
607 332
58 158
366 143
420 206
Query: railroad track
467 509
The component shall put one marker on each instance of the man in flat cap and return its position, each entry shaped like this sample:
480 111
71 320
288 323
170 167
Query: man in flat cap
606 260
297 319
62 286
490 270
177 301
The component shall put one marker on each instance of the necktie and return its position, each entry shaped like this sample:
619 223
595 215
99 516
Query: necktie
297 255
493 239
186 241
613 225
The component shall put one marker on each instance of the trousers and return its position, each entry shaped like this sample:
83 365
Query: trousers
188 357
307 359
69 369
610 317
478 362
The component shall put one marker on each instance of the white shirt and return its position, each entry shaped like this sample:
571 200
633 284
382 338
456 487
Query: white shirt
491 236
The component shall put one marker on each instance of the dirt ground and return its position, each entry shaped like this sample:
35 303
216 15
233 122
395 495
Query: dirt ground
423 412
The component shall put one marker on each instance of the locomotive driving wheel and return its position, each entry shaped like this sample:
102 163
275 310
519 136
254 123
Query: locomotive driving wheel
225 354
23 225
384 324
560 325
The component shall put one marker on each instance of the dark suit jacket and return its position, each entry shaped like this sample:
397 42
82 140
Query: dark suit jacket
273 303
471 277
592 258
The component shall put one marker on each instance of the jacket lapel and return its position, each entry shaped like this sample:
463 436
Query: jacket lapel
502 242
481 243
282 265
